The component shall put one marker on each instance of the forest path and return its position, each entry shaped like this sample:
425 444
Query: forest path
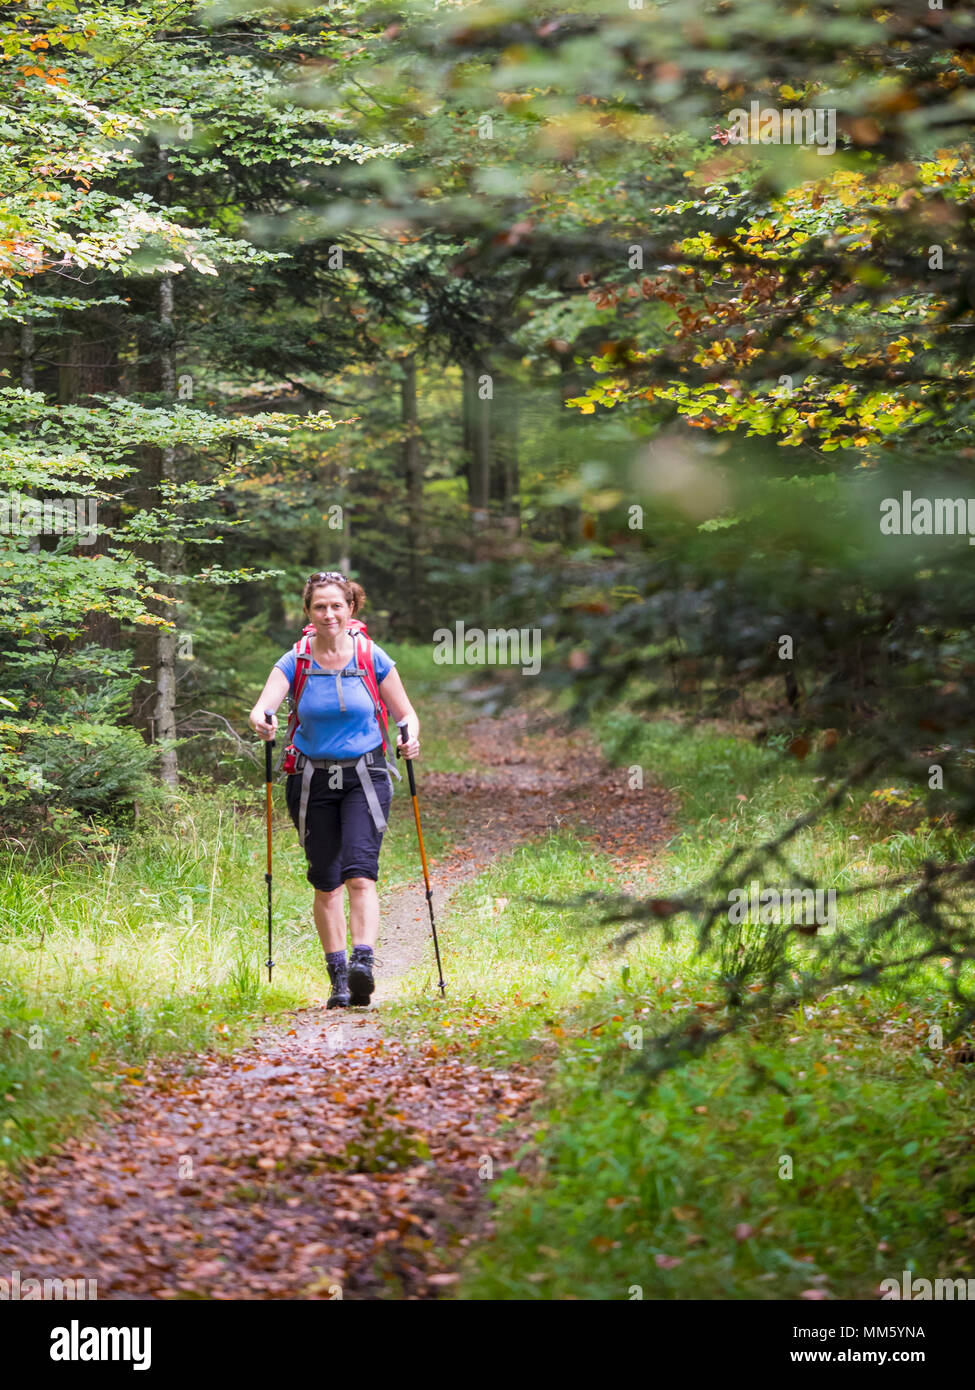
327 1160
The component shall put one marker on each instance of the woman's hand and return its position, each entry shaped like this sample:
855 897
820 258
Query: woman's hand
260 725
408 746
409 749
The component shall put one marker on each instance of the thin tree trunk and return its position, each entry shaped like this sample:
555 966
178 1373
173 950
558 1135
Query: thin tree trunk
483 453
88 366
467 418
478 434
469 432
468 396
155 710
571 513
345 559
28 380
28 377
412 468
505 480
164 707
69 368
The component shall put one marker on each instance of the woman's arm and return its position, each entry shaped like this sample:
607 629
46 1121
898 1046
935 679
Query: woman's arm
398 703
274 691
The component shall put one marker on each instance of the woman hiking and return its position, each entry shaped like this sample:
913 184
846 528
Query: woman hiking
340 791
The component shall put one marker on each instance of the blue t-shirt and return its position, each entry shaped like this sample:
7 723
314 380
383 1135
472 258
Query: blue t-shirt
327 730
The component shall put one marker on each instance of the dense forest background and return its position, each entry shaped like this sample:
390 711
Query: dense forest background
492 308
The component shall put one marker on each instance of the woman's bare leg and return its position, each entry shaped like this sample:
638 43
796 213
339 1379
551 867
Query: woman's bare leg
329 910
363 911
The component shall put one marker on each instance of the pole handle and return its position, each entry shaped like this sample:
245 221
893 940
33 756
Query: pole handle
403 730
268 745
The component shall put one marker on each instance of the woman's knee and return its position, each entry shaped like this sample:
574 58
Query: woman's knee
329 895
360 885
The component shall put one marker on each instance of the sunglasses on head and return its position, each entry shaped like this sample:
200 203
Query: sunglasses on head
330 575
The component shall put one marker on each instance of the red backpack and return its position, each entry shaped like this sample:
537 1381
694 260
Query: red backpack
362 655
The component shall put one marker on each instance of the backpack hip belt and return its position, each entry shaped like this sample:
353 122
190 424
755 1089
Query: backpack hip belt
307 767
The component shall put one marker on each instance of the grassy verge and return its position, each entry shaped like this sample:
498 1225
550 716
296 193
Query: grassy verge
813 1158
156 945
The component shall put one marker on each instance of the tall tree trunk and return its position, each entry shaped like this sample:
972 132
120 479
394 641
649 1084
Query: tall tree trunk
98 374
477 433
467 399
345 558
154 709
144 495
571 514
28 380
28 377
164 706
505 480
69 368
88 365
412 470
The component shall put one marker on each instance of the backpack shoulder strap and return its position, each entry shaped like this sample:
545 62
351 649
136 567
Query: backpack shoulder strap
302 651
362 644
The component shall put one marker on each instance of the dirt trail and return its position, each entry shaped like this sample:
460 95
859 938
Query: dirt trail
327 1160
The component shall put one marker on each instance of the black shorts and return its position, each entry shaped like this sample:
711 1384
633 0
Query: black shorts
342 840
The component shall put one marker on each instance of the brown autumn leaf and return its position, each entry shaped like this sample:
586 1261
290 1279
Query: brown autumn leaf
684 1213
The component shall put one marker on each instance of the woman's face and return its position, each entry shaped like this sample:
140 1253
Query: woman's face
329 610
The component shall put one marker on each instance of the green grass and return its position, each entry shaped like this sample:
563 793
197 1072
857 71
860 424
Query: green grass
715 1184
515 967
156 945
681 1189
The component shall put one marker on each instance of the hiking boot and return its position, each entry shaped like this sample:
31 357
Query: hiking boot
339 976
361 982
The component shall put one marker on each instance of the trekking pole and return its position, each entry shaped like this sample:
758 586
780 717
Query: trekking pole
403 731
268 748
